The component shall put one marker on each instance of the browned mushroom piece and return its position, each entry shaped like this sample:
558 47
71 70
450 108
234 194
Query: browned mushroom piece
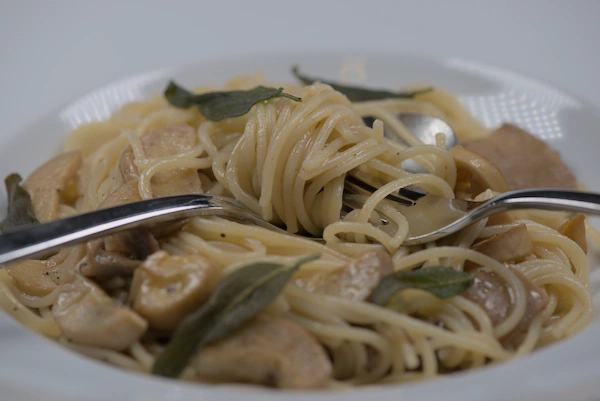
121 253
127 167
86 315
47 181
32 277
501 219
492 294
167 288
103 263
40 277
355 281
574 228
167 141
164 229
512 245
126 193
475 174
129 192
525 160
269 350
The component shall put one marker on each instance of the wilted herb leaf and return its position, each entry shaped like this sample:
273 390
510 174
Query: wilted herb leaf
235 300
217 106
359 94
443 282
20 210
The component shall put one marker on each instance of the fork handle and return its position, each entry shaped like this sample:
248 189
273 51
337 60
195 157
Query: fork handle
546 199
37 239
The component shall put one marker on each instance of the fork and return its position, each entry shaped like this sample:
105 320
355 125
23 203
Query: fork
39 239
462 213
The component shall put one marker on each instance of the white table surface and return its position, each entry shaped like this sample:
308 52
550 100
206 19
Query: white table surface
55 50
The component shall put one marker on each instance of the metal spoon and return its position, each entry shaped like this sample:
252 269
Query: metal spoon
424 127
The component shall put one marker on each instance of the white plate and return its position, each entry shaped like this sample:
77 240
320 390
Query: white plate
33 368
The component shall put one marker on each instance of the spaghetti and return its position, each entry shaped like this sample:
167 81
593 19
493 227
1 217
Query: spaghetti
286 161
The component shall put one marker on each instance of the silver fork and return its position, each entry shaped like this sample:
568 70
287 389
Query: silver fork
38 239
458 214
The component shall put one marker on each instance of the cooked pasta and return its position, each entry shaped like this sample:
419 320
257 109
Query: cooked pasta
286 161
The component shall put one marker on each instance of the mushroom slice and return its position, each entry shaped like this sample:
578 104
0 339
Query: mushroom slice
269 350
40 277
176 182
137 243
167 141
574 228
103 263
525 160
492 294
47 181
32 277
164 229
167 288
355 281
512 245
86 315
127 167
129 192
499 219
126 193
475 174
121 253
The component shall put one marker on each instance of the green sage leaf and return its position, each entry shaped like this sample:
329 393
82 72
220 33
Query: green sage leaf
443 282
359 94
20 209
217 106
236 299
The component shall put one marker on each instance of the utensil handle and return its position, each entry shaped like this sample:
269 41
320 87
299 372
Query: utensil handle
549 199
37 239
545 199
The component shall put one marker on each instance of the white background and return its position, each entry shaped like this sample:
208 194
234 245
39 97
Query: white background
53 51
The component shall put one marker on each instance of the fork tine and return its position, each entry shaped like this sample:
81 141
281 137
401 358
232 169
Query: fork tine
235 210
358 182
